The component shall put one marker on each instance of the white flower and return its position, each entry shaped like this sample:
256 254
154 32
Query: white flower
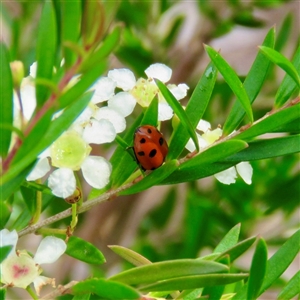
144 90
244 169
19 269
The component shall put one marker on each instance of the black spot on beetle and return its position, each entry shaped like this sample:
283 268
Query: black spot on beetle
161 141
149 130
141 153
152 153
142 140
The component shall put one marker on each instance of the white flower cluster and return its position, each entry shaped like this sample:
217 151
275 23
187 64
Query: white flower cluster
19 269
244 169
98 125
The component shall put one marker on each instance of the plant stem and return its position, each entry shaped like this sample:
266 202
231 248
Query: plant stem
38 208
31 293
68 212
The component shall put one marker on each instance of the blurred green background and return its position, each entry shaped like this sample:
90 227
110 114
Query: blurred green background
189 219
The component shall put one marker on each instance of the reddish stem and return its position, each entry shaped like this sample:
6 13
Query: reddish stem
40 113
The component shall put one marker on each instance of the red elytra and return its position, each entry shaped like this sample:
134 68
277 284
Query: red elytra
150 147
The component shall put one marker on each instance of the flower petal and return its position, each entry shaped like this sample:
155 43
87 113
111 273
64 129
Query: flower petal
159 71
40 281
40 169
203 126
19 271
227 176
124 78
165 112
62 182
99 132
9 238
245 170
104 89
32 69
96 171
113 117
123 103
179 91
212 135
49 250
191 145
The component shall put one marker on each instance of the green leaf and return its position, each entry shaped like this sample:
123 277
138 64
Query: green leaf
179 111
215 153
123 164
131 256
82 297
292 289
193 282
271 122
194 110
258 269
105 289
4 251
229 240
232 80
2 293
151 114
46 50
280 261
5 209
70 28
252 84
85 82
168 269
282 62
9 187
268 148
288 86
109 44
284 32
56 128
191 174
237 250
6 100
154 178
84 251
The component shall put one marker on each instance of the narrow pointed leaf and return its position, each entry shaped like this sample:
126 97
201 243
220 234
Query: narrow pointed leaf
168 269
232 80
179 111
153 178
46 50
229 240
284 32
288 86
280 261
84 251
252 84
106 289
257 270
237 250
292 289
193 282
123 163
70 28
56 128
268 148
6 101
218 152
281 61
271 122
194 110
131 256
4 251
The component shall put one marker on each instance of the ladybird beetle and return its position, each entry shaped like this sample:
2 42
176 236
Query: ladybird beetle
150 147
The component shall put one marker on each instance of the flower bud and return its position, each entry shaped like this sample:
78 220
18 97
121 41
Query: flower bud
17 70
